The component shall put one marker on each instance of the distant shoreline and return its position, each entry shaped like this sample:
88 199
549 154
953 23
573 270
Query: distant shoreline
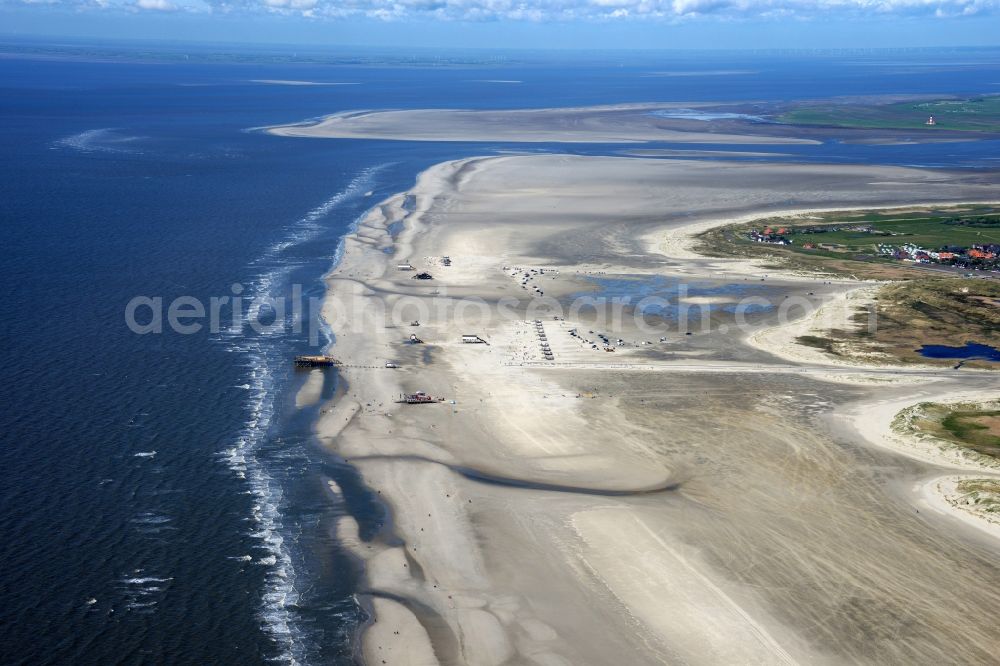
624 123
733 123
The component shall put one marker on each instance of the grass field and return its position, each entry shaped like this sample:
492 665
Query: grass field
980 114
929 232
856 253
975 427
978 429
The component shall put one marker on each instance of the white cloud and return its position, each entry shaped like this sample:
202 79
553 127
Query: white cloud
559 10
291 4
156 5
538 10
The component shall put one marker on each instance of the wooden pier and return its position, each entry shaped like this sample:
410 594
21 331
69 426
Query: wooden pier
318 361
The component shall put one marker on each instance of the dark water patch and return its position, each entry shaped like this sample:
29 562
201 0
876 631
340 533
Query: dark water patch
360 502
427 354
330 384
394 228
971 351
696 114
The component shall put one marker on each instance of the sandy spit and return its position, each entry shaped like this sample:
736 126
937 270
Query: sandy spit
625 123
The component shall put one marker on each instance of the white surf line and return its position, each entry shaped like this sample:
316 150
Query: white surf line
277 610
762 634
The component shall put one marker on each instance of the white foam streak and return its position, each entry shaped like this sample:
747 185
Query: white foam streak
143 592
244 458
309 225
101 140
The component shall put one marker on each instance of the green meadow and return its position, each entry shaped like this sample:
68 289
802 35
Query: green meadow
980 114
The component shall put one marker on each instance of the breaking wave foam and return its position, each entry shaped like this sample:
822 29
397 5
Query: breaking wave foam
245 458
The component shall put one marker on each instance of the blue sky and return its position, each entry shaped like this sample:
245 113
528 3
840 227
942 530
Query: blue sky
519 23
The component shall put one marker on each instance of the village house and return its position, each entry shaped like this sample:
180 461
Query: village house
768 236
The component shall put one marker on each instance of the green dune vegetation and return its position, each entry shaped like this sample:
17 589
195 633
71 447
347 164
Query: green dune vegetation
924 311
984 493
978 114
977 429
921 303
975 426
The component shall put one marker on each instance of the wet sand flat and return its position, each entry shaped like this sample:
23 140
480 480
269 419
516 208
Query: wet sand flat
695 499
676 122
600 124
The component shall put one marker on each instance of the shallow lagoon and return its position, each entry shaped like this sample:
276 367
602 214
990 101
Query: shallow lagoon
971 351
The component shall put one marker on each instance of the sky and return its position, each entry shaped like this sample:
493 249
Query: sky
563 24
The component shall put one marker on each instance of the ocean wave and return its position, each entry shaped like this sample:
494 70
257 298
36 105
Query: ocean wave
306 227
144 454
152 523
150 518
262 289
247 456
242 459
142 591
101 140
145 580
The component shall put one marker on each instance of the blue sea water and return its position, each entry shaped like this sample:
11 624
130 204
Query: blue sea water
164 500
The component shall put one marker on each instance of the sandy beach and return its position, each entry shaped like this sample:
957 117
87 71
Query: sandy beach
681 499
624 123
676 122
